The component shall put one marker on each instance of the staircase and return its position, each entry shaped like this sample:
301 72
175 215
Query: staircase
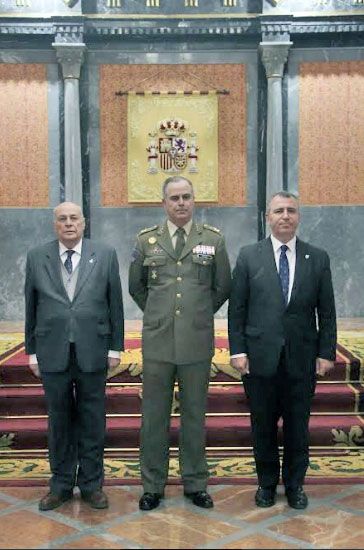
336 424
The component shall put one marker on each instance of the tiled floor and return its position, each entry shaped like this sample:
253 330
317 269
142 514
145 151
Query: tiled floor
334 519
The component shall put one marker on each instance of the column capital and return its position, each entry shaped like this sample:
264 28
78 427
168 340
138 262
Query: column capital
70 56
274 56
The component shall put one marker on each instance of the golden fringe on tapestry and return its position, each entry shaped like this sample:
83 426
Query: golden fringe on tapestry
172 135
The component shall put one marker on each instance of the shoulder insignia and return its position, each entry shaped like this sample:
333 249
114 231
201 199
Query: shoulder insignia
212 228
147 229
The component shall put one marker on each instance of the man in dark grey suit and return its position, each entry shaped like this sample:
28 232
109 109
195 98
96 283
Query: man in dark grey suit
179 276
73 332
282 333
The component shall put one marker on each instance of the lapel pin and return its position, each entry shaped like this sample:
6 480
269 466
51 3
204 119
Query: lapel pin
307 256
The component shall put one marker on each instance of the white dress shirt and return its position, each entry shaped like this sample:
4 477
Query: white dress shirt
75 259
291 257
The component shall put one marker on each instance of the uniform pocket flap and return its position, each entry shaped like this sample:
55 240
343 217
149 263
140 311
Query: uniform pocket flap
154 261
202 259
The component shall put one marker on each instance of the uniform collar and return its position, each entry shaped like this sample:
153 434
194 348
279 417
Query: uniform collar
172 228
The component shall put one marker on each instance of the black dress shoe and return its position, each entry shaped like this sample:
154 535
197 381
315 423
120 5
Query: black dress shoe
201 499
265 497
149 501
52 500
297 498
96 499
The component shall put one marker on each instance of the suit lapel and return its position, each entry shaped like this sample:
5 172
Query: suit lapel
53 268
164 240
270 266
301 269
194 238
86 265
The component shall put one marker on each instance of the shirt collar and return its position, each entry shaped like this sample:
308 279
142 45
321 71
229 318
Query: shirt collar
277 244
172 228
77 248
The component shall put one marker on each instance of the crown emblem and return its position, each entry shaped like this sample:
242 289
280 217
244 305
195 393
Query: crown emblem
173 127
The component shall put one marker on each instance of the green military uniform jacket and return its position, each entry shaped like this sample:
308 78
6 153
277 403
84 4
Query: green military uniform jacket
179 296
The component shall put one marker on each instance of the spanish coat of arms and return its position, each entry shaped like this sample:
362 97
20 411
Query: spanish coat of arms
172 148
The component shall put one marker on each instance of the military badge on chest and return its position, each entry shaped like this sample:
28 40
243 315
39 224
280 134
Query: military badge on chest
204 251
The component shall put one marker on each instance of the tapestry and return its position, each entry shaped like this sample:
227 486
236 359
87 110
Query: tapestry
171 135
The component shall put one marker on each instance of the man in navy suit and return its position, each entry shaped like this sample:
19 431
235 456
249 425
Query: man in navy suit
73 333
282 334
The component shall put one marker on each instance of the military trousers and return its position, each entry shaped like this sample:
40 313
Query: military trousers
158 388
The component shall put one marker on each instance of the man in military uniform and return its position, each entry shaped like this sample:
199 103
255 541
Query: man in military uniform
179 276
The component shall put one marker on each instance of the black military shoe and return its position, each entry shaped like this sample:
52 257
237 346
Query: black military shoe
265 497
201 499
149 501
297 498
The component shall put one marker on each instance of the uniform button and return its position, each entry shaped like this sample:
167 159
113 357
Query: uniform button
179 295
178 312
179 263
204 262
153 263
179 278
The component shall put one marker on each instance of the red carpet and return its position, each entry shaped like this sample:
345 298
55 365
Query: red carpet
335 421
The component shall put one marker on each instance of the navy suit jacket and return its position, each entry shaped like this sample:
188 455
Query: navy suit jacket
260 323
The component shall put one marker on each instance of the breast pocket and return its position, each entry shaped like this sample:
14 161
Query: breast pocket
203 267
154 264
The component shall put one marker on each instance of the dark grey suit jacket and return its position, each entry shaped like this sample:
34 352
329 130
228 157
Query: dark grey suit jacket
94 317
260 323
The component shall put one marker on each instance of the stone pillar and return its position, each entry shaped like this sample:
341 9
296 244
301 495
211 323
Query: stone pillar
274 56
70 56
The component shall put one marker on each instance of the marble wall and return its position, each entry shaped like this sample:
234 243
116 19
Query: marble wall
336 226
324 161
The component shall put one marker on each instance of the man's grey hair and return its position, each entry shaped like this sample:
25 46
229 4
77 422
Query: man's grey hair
284 195
175 179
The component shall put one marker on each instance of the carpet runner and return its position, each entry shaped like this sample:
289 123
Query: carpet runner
336 424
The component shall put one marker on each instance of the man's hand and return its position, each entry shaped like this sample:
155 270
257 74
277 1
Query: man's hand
241 364
112 362
35 369
323 366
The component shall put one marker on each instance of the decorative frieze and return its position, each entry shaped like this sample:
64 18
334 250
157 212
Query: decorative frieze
68 32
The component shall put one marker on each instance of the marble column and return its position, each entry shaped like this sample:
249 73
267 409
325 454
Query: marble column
274 56
70 56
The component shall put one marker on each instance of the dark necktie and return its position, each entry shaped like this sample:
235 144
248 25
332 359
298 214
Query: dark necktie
180 242
284 272
68 261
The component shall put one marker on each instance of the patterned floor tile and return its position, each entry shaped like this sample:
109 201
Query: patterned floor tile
23 529
91 542
177 528
355 501
325 527
259 541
